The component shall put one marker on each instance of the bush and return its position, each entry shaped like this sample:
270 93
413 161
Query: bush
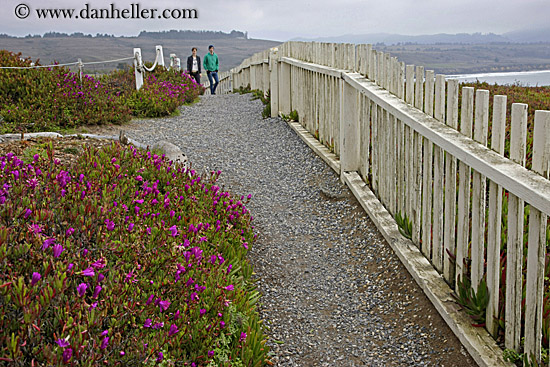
55 98
123 259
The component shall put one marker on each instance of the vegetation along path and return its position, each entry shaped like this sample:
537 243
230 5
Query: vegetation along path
334 294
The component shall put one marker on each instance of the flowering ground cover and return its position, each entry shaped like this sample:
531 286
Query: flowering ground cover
48 99
122 258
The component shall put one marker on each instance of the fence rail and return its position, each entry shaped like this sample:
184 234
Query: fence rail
396 125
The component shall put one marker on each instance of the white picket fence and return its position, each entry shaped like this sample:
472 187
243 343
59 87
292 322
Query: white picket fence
396 126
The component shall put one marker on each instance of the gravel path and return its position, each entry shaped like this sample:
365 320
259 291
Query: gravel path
334 294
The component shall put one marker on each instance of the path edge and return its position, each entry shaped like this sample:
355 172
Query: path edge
477 341
170 150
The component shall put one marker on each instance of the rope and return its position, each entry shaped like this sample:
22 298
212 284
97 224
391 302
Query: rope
154 65
67 64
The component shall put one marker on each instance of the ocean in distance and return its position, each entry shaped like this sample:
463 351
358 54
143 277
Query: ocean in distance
524 78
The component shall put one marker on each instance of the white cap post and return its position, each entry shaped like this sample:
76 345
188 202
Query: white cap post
138 68
160 55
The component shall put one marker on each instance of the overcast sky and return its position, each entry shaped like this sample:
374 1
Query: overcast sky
284 19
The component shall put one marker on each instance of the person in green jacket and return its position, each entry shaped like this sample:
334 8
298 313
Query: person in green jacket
210 63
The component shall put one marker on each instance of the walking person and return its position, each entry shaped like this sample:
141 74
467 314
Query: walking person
211 66
194 65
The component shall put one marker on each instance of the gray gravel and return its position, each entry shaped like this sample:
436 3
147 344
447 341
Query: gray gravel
334 294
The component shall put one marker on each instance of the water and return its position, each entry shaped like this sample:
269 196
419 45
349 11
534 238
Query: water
525 78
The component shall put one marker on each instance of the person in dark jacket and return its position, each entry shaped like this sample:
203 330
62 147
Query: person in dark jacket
194 65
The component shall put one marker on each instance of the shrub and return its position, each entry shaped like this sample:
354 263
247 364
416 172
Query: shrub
123 259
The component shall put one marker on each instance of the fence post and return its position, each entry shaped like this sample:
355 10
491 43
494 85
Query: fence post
349 129
284 89
80 66
274 81
172 61
137 66
160 55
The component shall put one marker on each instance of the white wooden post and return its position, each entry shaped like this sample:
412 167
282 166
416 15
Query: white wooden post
172 61
479 192
265 75
274 81
160 55
284 88
449 246
537 243
178 63
349 129
514 241
494 230
463 225
138 68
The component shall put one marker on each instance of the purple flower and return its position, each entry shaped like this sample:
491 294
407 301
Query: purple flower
35 278
110 225
147 323
164 305
150 299
104 342
160 357
67 355
202 311
177 315
89 272
100 277
173 330
105 332
28 213
222 324
81 289
69 232
130 227
47 243
173 231
63 178
99 264
158 325
210 353
57 250
230 287
62 343
243 337
96 291
229 268
35 228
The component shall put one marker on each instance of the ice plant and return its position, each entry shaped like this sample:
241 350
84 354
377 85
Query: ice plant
57 250
88 272
67 355
173 330
35 278
62 343
104 343
81 289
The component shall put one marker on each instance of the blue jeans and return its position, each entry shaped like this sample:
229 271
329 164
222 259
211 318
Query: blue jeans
213 86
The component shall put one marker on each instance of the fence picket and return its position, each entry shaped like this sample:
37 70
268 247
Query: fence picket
427 178
481 124
498 133
463 227
536 252
438 189
417 159
514 245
